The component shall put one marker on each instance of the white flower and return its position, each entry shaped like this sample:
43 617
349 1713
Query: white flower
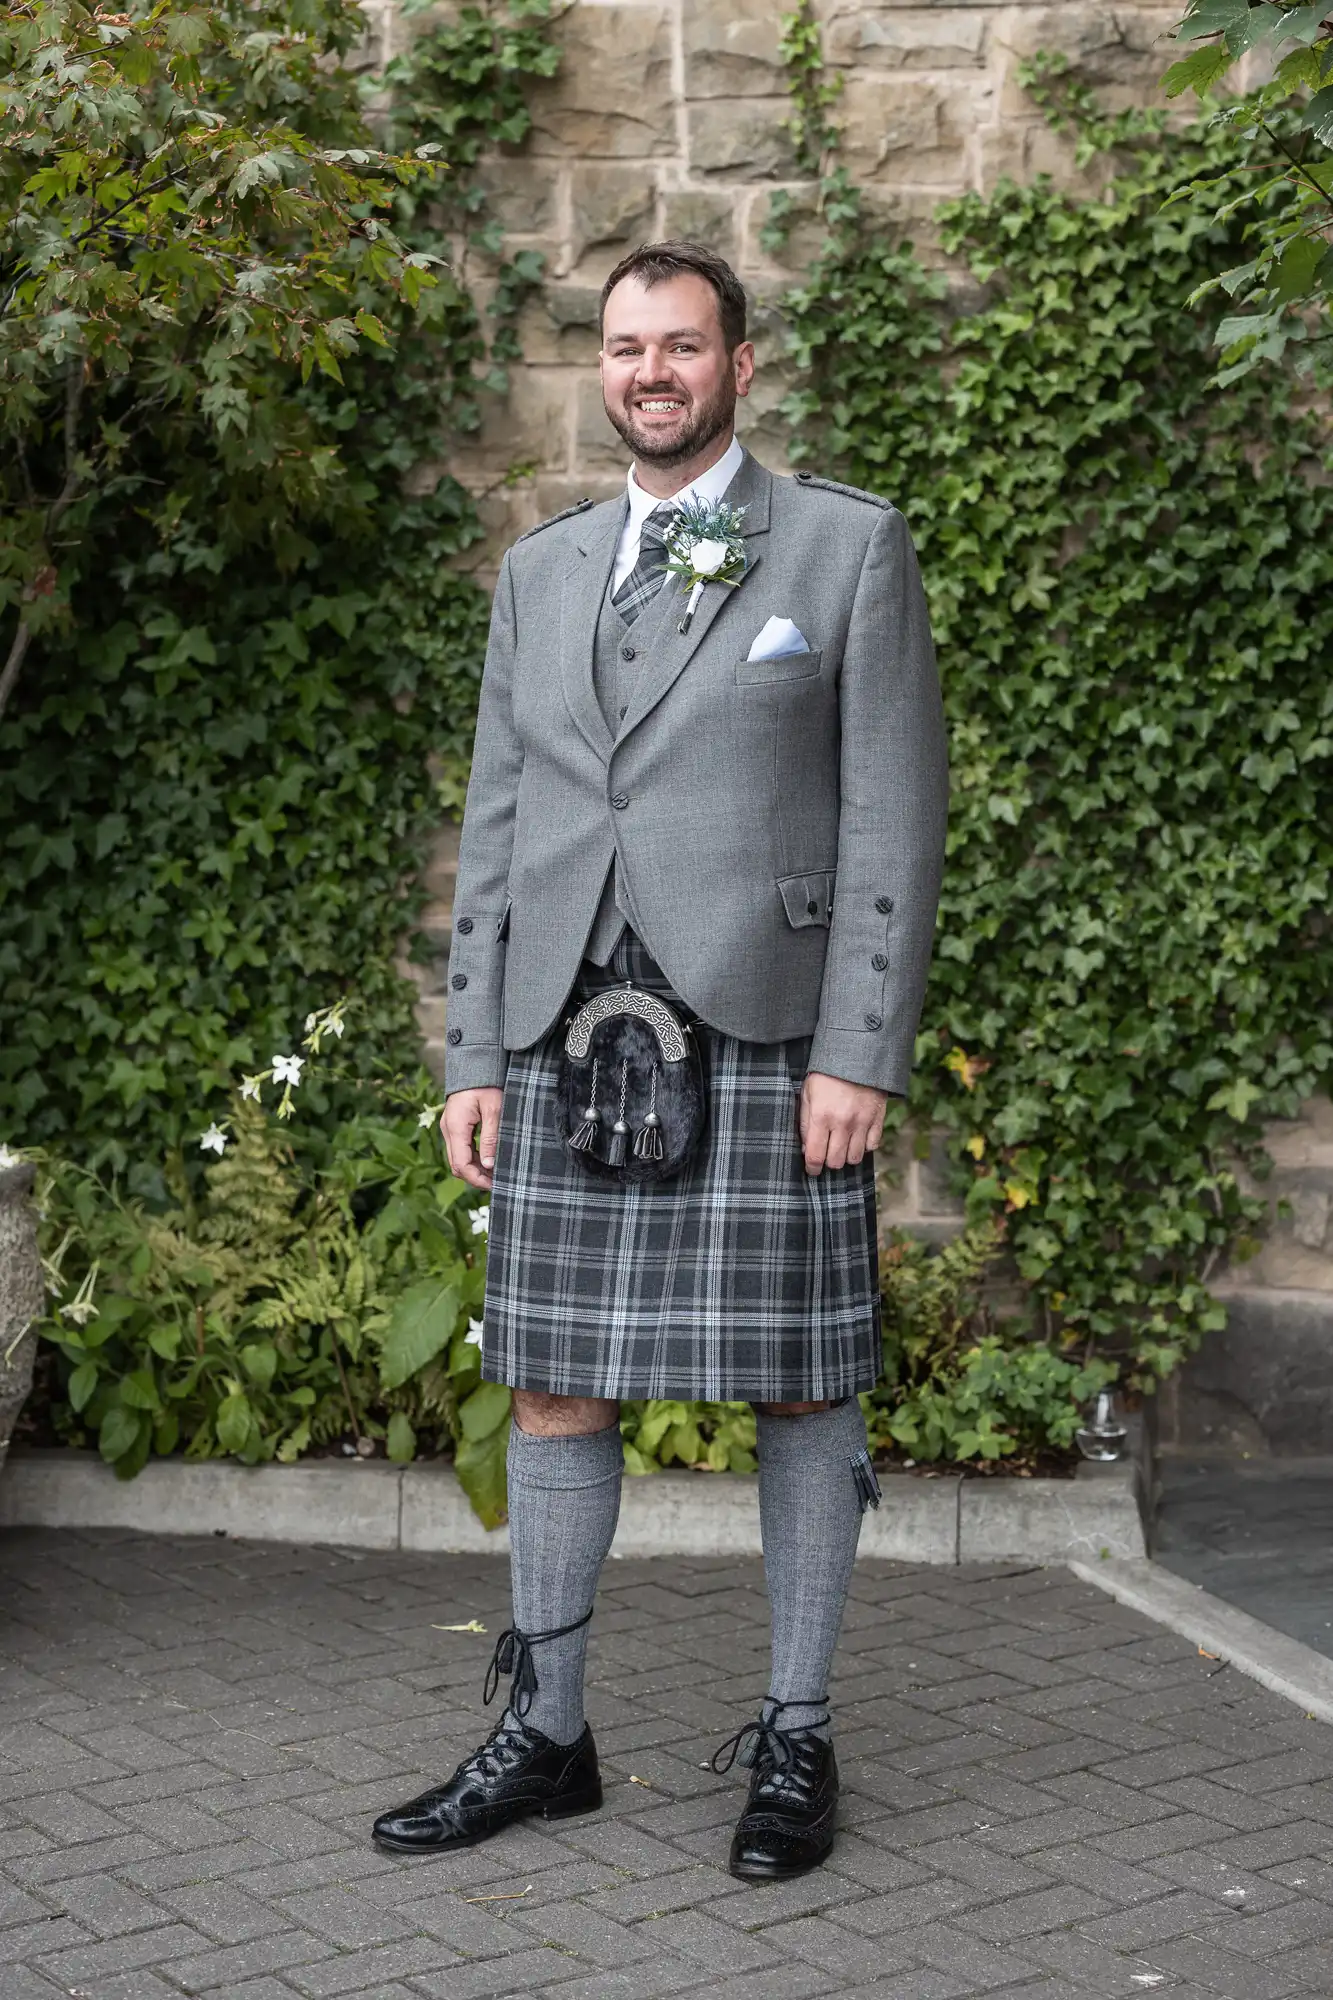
214 1140
472 1338
287 1069
427 1117
8 1159
310 1021
481 1220
336 1026
707 558
250 1087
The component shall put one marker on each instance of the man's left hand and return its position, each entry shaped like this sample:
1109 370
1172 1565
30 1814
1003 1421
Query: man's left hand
840 1122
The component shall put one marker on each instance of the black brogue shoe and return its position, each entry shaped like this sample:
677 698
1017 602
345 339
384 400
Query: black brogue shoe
788 1823
516 1774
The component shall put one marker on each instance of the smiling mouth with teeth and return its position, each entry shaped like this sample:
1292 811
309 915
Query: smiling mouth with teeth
661 406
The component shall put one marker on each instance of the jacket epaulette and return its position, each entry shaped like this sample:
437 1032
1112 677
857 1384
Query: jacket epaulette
852 492
579 507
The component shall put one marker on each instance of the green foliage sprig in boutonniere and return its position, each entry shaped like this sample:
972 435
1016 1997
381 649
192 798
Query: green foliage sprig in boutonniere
704 545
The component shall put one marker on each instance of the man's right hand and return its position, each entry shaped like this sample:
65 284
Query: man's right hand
463 1112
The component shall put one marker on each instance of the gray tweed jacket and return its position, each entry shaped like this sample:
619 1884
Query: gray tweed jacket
739 794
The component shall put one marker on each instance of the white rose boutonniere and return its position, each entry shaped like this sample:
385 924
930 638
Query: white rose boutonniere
704 545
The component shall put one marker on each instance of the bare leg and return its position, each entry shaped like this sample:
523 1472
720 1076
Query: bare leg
541 1415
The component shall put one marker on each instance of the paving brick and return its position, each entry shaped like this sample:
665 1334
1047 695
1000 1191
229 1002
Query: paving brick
527 1971
1220 1971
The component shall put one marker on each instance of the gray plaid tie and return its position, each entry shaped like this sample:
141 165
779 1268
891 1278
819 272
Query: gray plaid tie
650 568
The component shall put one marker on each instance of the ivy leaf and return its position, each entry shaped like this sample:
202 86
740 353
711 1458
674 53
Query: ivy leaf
81 1384
421 1324
1236 1098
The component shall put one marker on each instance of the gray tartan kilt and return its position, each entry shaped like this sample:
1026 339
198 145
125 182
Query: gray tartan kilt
742 1278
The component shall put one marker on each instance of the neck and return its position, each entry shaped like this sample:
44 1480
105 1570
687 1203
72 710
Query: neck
665 481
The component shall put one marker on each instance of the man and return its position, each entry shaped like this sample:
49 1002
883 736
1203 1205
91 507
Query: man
668 797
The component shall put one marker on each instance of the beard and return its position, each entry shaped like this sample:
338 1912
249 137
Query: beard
700 424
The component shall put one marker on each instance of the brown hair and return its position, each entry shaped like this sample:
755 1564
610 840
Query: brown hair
653 263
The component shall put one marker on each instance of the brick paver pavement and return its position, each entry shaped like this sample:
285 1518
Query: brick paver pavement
1045 1795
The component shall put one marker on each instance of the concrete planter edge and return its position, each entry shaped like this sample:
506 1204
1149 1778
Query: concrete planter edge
374 1505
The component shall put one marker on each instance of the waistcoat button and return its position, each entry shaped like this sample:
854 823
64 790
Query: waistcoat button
627 652
620 800
463 926
879 961
459 981
884 904
874 1020
454 1037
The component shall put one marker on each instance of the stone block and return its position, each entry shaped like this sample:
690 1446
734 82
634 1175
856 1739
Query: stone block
1051 1520
522 194
1109 47
610 205
437 1514
558 326
745 137
908 37
732 51
702 216
597 445
1264 1382
612 96
913 131
530 423
934 1174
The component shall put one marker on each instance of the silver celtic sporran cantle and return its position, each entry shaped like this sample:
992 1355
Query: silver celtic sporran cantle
630 1096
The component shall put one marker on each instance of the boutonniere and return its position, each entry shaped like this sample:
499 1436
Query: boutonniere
704 545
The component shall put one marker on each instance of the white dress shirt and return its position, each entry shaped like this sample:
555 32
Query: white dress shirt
710 485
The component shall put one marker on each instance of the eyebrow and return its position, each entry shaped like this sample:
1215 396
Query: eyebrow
676 333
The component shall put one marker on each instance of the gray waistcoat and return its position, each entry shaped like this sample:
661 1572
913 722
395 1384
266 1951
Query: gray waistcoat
614 680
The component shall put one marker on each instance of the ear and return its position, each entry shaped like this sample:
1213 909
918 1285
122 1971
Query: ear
742 363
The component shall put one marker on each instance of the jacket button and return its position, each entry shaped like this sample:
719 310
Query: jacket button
878 961
620 800
812 909
463 926
884 904
874 1020
459 981
627 652
454 1037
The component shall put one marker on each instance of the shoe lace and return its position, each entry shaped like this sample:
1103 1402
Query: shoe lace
513 1656
506 1741
766 1745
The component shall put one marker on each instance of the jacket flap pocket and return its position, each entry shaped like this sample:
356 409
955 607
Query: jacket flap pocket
808 898
782 667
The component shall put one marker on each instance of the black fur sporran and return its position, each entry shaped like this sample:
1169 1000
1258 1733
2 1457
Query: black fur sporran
630 1098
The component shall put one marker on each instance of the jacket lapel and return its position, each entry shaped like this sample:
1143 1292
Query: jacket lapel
752 489
581 595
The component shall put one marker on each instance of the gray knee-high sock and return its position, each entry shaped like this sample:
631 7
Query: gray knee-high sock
815 1480
564 1500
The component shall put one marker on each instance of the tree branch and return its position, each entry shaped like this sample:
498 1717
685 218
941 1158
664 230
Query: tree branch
9 677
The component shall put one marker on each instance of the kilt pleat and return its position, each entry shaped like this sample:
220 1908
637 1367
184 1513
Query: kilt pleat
742 1278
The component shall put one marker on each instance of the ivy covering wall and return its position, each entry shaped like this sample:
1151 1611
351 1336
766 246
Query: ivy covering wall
1128 572
216 782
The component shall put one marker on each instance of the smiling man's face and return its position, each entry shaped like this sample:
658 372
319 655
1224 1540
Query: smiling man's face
668 382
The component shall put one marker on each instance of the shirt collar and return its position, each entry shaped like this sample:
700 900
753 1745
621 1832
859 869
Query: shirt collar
709 486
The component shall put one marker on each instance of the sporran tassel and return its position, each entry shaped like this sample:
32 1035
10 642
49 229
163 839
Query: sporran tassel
615 1152
581 1141
867 1486
648 1139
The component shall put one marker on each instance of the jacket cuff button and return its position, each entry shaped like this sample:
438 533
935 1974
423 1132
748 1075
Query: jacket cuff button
459 980
884 904
874 1020
463 925
454 1037
880 962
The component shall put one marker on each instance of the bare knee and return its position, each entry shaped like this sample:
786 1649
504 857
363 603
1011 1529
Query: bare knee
541 1415
790 1409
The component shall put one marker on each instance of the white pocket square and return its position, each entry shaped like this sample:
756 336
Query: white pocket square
778 636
